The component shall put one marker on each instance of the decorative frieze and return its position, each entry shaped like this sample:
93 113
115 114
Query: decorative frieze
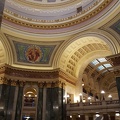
31 74
52 78
61 25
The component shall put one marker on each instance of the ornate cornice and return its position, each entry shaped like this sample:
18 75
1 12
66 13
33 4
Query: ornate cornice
52 84
31 74
57 25
68 79
4 80
52 77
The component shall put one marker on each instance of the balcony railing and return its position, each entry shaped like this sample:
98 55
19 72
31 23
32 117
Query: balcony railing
92 107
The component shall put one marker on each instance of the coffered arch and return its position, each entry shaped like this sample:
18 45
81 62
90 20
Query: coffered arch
87 46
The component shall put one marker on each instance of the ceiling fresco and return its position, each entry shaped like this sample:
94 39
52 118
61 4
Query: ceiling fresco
116 27
34 54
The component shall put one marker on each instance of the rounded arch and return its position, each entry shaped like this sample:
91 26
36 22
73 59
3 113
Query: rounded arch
71 47
8 56
88 58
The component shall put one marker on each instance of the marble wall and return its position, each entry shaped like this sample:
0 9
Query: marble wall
40 104
7 93
54 104
118 86
19 103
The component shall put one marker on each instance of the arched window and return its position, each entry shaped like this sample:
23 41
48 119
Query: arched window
30 95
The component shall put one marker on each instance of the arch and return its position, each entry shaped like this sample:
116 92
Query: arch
70 47
8 55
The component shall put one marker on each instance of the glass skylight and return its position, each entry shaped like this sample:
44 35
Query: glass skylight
102 59
107 65
101 67
94 62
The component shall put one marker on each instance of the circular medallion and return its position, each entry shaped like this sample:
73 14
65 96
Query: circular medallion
33 54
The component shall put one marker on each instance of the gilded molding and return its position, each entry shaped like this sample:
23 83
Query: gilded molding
1 81
50 78
68 79
51 21
21 83
13 83
58 26
31 74
52 84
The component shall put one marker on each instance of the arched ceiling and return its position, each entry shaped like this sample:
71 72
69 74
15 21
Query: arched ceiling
2 54
81 49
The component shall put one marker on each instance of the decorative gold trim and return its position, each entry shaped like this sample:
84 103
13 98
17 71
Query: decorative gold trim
50 21
52 84
1 81
60 25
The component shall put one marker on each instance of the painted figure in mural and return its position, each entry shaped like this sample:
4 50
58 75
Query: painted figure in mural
33 54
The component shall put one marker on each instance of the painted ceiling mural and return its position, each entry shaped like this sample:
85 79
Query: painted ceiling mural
31 53
116 27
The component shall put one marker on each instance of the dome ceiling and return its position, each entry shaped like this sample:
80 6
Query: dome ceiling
46 17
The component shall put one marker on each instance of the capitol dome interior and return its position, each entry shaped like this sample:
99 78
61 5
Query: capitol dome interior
56 56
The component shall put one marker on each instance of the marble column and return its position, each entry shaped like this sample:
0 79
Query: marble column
44 104
19 101
15 102
5 99
40 103
55 109
10 102
118 86
7 93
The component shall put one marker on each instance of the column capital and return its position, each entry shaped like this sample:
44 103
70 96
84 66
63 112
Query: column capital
21 83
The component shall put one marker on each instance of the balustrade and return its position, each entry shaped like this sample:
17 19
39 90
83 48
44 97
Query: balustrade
93 107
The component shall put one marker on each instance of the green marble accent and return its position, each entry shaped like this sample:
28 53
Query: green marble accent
10 102
19 104
55 108
5 98
118 86
7 93
40 104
